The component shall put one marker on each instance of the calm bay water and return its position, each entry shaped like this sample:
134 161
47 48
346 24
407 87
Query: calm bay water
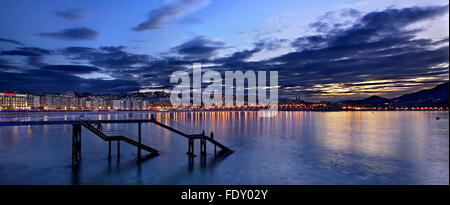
292 148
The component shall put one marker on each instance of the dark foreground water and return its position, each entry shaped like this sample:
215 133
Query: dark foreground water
292 148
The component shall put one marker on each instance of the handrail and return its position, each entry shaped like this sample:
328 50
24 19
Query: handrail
194 136
122 138
124 133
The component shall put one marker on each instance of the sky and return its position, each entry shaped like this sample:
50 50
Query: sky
322 49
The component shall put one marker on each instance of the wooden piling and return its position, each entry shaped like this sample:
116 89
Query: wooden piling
118 149
212 137
109 149
190 147
76 145
139 141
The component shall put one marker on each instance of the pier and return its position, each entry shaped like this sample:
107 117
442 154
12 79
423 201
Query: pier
95 127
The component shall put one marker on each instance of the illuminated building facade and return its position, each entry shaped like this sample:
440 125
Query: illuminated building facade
13 101
33 101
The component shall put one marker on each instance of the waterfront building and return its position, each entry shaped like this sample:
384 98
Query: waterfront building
98 104
117 104
130 104
81 103
33 101
50 101
13 101
145 105
68 100
64 103
87 104
73 102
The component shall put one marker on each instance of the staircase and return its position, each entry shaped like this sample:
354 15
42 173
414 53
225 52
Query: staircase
105 137
192 137
221 146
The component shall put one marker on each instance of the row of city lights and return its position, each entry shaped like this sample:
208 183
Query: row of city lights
392 108
293 106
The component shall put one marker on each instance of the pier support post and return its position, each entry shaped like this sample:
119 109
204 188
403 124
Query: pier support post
118 149
76 145
203 147
203 144
212 137
139 147
203 151
191 148
109 149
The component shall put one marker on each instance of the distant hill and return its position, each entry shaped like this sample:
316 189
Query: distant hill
437 96
372 101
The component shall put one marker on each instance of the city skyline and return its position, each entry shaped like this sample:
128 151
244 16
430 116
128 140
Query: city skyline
432 99
348 50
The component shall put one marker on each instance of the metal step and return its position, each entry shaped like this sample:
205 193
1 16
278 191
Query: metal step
122 138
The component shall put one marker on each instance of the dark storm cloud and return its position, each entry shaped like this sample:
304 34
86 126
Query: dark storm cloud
116 57
270 43
384 24
310 42
371 27
77 50
3 61
43 77
36 61
107 56
158 18
320 26
158 71
26 51
75 69
5 64
11 41
80 33
199 47
236 60
335 20
39 80
71 14
34 57
350 13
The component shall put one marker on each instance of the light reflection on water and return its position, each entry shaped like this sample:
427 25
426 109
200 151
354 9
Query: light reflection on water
291 148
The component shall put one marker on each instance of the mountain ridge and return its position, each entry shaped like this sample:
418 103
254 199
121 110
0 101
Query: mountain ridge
437 96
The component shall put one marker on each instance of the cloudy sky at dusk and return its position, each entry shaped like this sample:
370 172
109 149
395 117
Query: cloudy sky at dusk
322 49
